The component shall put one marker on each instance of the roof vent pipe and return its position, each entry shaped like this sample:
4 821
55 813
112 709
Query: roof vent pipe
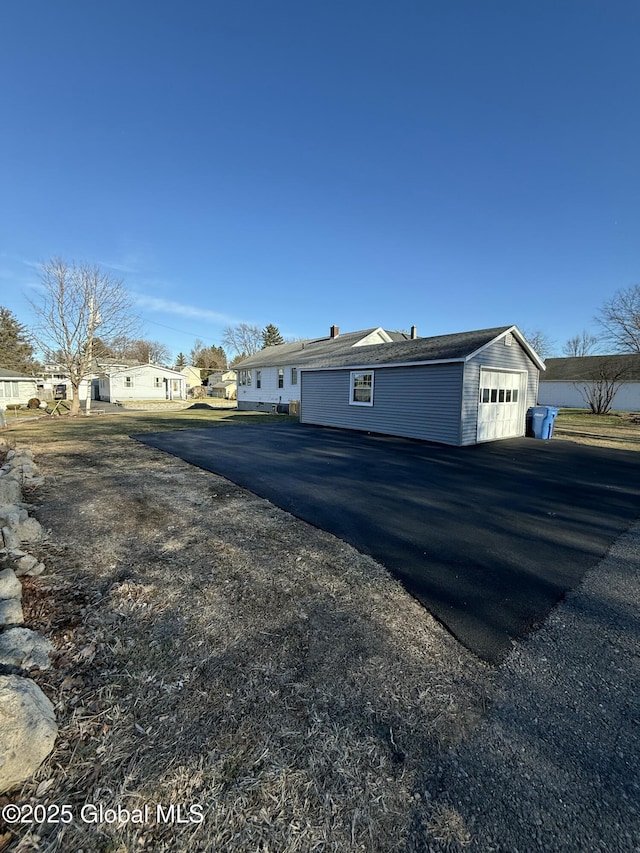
334 331
414 333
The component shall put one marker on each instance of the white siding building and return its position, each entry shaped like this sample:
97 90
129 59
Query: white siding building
142 382
569 382
16 388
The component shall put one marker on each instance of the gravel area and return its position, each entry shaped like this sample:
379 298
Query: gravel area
556 764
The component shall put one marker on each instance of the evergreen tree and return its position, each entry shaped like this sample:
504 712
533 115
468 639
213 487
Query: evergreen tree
271 336
16 353
181 361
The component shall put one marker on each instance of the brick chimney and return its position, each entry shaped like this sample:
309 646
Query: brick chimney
414 333
334 331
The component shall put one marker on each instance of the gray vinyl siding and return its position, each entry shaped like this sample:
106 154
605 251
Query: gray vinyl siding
497 355
417 402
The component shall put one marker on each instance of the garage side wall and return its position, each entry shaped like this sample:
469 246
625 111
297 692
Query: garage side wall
415 402
497 355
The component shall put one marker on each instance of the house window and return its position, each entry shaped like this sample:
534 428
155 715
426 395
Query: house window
361 392
9 389
281 377
294 375
258 379
128 381
157 382
248 372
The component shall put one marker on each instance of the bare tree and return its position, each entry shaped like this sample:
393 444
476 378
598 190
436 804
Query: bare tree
619 318
541 342
78 303
243 339
580 345
148 351
600 388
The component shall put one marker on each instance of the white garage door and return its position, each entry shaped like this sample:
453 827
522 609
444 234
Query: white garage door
501 404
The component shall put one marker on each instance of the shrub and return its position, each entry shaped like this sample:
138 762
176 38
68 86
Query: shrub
33 403
13 407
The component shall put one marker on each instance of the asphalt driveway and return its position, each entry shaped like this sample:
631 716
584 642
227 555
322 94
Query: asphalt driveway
488 537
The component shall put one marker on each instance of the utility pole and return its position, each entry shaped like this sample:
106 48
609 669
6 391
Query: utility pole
92 320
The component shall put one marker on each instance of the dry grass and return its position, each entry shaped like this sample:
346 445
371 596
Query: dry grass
214 650
620 430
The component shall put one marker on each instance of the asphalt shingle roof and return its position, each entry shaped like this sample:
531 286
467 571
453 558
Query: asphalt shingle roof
438 348
13 374
588 367
302 352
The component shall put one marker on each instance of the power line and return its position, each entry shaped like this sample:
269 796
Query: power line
183 331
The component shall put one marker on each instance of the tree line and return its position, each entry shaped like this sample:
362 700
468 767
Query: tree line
84 313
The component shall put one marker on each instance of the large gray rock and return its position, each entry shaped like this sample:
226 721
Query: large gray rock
30 531
10 537
28 727
11 516
18 452
10 586
9 491
23 470
10 613
26 565
23 647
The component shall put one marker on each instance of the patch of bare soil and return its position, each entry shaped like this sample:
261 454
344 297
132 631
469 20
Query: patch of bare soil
218 654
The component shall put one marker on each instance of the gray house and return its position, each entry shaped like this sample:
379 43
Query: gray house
455 389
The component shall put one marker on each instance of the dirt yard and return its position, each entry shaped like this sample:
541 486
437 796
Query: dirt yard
218 654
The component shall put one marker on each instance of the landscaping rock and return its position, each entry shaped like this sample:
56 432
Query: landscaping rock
23 647
36 571
19 451
9 490
28 727
10 538
30 531
28 565
11 515
10 586
10 613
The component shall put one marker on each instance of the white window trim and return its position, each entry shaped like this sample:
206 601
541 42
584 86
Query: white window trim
352 376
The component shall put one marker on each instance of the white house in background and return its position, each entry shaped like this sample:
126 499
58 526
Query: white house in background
16 388
142 382
271 377
222 384
567 381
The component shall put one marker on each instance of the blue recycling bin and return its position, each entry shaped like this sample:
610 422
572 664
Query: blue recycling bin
535 419
548 422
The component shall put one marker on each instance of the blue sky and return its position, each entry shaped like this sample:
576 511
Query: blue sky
455 165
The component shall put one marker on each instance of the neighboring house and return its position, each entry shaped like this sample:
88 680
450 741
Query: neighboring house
16 388
192 377
457 389
142 382
569 381
271 377
222 384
